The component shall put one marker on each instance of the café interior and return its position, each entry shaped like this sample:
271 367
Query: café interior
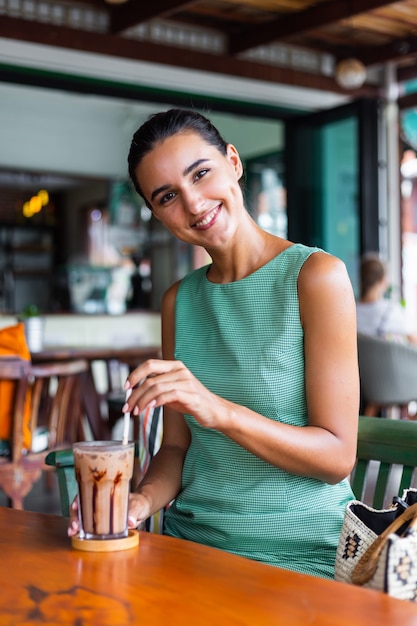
319 97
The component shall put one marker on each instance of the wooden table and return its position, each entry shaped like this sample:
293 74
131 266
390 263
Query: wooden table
166 581
132 356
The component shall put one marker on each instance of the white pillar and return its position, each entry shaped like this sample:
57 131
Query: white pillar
393 179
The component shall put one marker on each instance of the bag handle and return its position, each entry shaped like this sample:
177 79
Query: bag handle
367 564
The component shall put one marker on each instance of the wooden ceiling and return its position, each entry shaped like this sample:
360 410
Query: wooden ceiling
242 35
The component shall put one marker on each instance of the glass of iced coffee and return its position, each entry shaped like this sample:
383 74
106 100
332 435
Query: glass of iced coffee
103 470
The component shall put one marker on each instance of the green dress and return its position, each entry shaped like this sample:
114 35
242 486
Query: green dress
244 341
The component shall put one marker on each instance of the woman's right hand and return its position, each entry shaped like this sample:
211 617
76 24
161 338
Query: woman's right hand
139 509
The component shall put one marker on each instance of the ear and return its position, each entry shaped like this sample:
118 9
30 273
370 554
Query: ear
233 157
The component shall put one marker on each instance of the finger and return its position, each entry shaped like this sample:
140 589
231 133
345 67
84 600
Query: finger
73 528
139 510
74 525
132 522
149 369
141 372
142 397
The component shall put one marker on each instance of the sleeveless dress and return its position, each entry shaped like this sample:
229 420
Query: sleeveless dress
244 341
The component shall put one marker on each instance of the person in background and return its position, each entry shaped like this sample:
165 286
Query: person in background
259 378
380 316
376 314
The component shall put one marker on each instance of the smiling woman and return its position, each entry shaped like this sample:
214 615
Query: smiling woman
259 433
192 197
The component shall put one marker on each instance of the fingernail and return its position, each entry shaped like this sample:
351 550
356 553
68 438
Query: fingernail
125 408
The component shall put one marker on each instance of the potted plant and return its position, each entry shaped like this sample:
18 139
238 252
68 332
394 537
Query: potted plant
34 323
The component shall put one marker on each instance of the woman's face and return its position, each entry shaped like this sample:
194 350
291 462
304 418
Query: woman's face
193 189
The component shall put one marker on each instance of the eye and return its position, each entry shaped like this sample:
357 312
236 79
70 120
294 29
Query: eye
200 174
166 198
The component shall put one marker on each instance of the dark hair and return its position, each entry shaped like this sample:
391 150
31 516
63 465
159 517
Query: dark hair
161 126
372 272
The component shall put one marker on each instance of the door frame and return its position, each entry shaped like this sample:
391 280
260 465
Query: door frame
367 112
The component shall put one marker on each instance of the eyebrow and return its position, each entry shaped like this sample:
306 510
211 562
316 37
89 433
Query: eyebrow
187 171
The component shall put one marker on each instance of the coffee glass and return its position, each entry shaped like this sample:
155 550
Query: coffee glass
103 470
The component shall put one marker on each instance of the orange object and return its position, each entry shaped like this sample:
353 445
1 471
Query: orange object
13 343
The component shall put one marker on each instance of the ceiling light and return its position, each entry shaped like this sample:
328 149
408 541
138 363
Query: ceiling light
115 1
350 73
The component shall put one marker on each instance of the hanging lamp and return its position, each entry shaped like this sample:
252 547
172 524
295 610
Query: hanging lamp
350 73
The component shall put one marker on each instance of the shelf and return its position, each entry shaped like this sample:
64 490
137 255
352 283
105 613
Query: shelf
30 249
26 263
31 272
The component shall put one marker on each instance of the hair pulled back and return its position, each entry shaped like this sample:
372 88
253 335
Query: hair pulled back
161 126
372 271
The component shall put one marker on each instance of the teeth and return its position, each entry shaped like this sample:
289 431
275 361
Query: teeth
207 219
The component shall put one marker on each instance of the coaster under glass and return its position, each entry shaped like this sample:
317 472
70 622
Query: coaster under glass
106 545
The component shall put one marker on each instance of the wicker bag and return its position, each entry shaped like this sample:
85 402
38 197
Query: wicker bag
378 548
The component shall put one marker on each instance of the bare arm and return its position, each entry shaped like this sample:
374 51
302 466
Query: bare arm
326 447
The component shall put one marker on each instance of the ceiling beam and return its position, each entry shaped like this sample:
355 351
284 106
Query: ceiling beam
317 16
120 47
393 51
134 13
407 102
408 72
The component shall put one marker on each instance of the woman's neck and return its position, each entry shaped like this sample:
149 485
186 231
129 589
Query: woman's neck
247 253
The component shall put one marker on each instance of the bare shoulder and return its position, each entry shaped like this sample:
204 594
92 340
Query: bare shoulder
325 270
323 286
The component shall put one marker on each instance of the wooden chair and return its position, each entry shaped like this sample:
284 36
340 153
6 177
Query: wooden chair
56 400
386 459
56 413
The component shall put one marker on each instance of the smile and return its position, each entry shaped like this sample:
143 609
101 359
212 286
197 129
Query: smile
208 219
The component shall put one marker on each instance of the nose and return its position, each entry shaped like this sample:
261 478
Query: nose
193 201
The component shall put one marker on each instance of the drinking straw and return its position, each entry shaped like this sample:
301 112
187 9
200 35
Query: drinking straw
126 424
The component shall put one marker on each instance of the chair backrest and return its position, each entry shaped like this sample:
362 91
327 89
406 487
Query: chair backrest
15 372
388 371
57 401
386 459
56 419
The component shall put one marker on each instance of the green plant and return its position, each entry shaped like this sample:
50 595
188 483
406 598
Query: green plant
31 310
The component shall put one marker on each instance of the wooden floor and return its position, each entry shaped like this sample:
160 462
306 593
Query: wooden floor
40 499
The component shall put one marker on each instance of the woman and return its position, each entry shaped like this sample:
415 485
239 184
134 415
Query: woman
377 315
380 316
259 381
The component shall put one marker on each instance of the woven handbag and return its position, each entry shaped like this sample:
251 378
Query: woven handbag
378 548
